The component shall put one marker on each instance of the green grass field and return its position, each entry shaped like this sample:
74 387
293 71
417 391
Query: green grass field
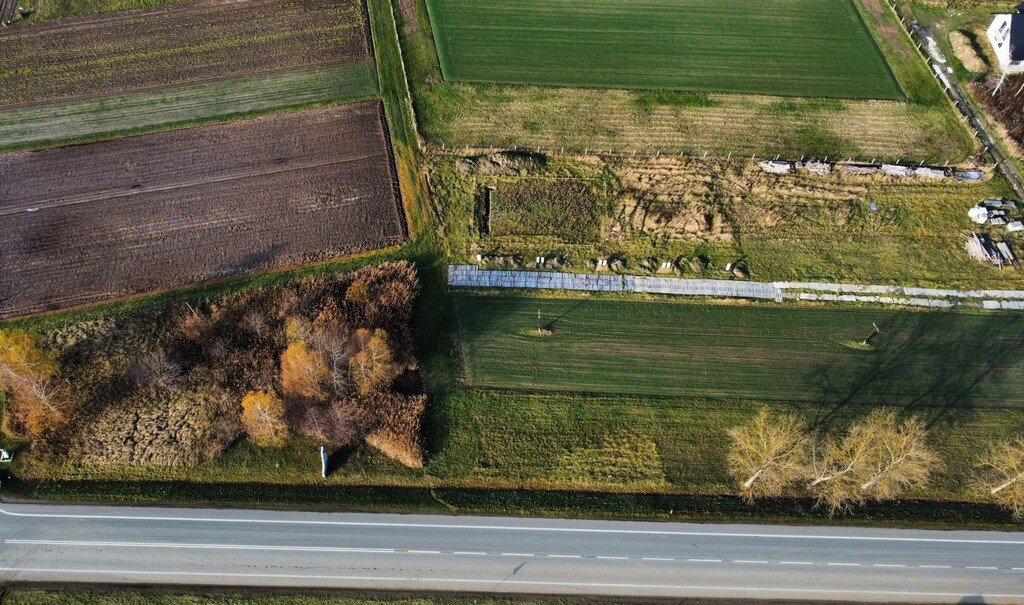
782 353
92 119
816 48
460 114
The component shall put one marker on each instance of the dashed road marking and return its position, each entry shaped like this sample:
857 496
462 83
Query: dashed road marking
171 545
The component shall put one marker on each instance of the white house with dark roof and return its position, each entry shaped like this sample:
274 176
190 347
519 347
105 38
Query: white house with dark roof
1007 37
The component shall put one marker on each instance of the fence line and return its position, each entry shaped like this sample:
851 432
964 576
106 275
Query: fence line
471 276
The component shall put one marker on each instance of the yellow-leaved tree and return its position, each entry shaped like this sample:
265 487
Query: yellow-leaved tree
304 372
373 365
263 418
29 372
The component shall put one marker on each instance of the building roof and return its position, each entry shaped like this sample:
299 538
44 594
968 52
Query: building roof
1017 37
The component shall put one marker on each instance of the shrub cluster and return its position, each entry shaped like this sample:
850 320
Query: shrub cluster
176 386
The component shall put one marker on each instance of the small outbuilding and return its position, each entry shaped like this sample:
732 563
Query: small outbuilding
1007 37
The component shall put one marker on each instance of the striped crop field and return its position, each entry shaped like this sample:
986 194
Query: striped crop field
818 48
797 355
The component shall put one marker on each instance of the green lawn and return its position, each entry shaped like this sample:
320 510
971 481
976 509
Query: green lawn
92 119
782 353
785 47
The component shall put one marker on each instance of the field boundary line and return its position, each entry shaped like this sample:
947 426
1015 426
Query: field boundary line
471 276
442 57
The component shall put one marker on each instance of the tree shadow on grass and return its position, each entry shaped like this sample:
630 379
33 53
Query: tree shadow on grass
941 366
573 308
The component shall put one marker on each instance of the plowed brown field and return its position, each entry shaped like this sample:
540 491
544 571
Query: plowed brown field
93 222
183 43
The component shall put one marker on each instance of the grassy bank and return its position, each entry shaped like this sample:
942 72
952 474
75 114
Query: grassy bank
501 452
795 227
157 596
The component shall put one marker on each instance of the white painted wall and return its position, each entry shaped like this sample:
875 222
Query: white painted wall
999 36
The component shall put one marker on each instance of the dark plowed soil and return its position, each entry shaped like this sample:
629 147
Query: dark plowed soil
93 222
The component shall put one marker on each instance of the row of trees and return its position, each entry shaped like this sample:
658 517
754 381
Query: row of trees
879 457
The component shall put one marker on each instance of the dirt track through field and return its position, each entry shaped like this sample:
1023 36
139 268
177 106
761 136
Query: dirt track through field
92 222
185 43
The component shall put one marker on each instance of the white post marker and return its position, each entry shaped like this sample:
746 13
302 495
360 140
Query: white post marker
323 462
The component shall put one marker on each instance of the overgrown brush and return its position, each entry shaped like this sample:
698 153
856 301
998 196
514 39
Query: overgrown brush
176 386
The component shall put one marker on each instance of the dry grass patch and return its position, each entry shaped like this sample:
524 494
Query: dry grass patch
966 52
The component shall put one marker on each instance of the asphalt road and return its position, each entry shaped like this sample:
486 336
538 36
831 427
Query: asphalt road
263 548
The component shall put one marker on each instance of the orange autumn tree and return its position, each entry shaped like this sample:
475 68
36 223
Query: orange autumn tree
304 372
29 372
373 365
263 418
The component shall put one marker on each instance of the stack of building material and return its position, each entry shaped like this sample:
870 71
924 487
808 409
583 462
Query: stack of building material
897 171
776 167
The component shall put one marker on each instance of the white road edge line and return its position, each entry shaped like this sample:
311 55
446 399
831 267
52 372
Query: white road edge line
423 580
514 528
180 545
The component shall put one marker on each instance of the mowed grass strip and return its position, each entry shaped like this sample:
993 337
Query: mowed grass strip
186 43
801 355
538 440
784 47
91 119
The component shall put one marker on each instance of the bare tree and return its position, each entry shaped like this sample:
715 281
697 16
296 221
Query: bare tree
879 458
155 370
900 457
769 454
338 423
1002 475
329 336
